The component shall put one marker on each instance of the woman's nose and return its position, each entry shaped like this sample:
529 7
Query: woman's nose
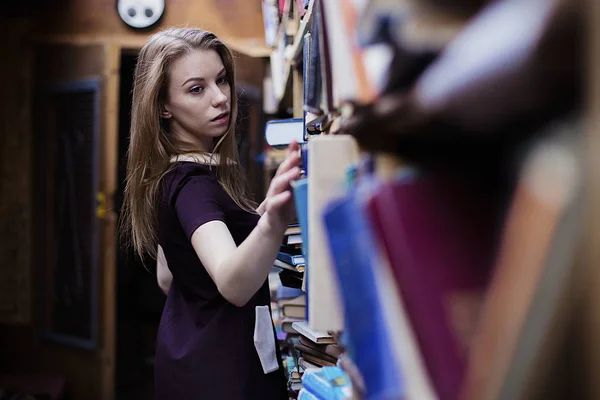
218 96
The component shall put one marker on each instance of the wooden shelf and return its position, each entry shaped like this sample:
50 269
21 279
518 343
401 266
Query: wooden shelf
295 52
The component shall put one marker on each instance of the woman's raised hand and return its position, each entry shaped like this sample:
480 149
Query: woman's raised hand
279 204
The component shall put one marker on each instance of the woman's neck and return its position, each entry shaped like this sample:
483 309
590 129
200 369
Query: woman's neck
190 143
200 158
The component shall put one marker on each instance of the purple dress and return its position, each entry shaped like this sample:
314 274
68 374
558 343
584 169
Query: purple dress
206 346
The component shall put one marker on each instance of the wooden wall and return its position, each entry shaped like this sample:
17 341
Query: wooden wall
235 20
226 18
15 262
238 22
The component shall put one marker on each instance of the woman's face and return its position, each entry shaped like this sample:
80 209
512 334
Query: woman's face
198 102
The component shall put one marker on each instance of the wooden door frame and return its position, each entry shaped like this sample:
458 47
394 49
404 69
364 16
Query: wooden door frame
109 137
108 187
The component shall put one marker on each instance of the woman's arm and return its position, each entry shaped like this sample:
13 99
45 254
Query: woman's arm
163 274
239 272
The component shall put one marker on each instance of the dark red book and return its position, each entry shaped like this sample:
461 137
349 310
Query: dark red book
439 234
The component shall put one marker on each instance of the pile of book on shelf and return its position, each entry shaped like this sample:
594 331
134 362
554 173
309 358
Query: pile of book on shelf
305 351
290 258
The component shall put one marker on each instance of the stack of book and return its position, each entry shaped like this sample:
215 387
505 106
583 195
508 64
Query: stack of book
290 259
315 349
290 304
310 352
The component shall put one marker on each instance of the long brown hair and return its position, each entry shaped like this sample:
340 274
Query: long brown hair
151 147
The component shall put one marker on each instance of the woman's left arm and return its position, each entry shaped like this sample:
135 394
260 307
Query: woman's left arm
163 274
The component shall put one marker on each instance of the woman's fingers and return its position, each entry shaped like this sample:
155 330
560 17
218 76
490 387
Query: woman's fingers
282 182
353 372
291 160
279 200
293 147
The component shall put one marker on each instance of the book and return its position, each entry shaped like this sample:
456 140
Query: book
330 383
300 189
292 229
334 350
327 104
524 316
439 234
294 308
312 69
306 350
348 70
291 240
270 13
282 132
316 336
306 365
351 247
329 157
283 265
317 360
304 394
284 292
291 259
290 278
287 324
404 345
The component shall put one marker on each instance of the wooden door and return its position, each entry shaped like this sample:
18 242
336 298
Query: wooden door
75 95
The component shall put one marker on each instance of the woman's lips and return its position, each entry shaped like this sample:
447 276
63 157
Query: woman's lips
221 118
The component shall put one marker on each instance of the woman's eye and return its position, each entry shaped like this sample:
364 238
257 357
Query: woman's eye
222 81
196 89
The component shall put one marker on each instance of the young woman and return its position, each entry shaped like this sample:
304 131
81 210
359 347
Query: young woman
186 193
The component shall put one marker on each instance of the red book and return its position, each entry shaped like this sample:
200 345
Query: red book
439 234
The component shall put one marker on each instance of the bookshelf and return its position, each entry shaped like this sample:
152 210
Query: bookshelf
471 143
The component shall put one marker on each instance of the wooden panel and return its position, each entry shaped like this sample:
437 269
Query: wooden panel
63 63
15 117
249 71
226 18
298 93
108 186
89 373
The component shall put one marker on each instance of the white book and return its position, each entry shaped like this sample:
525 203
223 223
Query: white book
329 157
313 335
280 133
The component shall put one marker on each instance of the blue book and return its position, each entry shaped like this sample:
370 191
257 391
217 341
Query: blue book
327 383
351 245
304 154
284 292
304 394
300 188
291 259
